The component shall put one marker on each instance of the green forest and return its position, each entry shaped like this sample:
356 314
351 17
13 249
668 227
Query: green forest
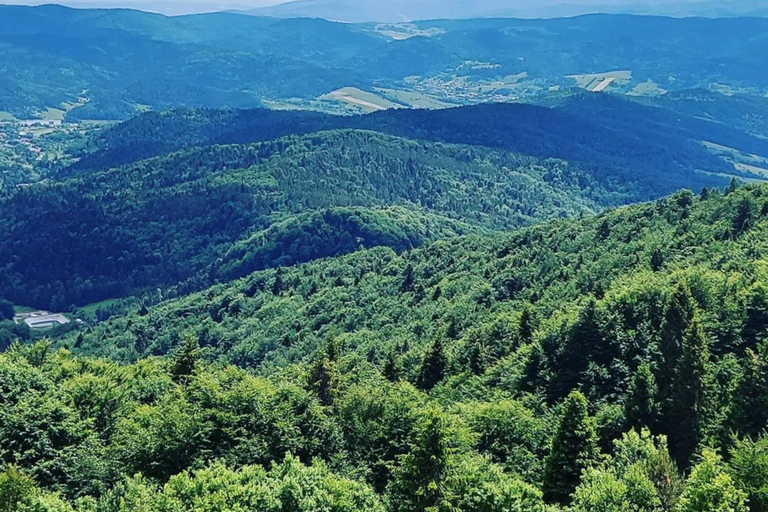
607 363
262 264
188 217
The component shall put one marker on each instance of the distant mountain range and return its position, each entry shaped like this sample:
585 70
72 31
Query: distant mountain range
354 11
111 64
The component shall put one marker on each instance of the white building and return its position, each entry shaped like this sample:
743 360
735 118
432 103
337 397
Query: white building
45 320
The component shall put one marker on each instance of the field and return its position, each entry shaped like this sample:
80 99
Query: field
22 309
647 88
596 82
359 100
6 116
403 31
91 309
743 162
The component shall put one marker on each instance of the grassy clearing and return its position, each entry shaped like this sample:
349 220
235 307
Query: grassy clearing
7 116
599 81
19 310
358 99
91 309
647 88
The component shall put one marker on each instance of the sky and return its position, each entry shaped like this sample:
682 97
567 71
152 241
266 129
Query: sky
175 7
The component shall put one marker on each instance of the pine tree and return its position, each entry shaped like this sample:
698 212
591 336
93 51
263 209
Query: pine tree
749 410
526 327
185 359
677 319
657 260
641 409
574 448
744 218
419 481
323 375
756 323
433 366
684 420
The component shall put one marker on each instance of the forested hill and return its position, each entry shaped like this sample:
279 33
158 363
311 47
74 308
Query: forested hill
222 211
507 372
639 151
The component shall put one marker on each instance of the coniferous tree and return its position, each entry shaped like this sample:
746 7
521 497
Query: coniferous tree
419 482
657 260
526 326
585 343
744 217
185 359
323 375
392 367
433 366
277 284
756 323
749 410
733 186
574 448
6 310
678 316
641 409
688 394
407 283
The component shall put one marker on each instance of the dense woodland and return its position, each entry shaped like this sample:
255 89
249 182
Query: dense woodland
459 310
641 152
610 363
198 213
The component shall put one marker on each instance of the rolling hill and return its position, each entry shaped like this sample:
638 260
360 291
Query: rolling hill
190 218
645 150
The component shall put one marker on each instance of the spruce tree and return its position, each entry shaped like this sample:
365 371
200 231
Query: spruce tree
323 375
744 217
684 419
677 319
641 408
749 410
433 366
526 326
756 323
574 448
657 260
185 359
419 481
733 186
585 343
392 367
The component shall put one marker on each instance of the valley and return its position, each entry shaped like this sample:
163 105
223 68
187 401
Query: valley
259 262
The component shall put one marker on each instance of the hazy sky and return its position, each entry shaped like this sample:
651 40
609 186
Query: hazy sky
192 6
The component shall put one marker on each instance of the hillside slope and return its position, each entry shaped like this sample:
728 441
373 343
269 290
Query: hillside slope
645 317
159 222
637 152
